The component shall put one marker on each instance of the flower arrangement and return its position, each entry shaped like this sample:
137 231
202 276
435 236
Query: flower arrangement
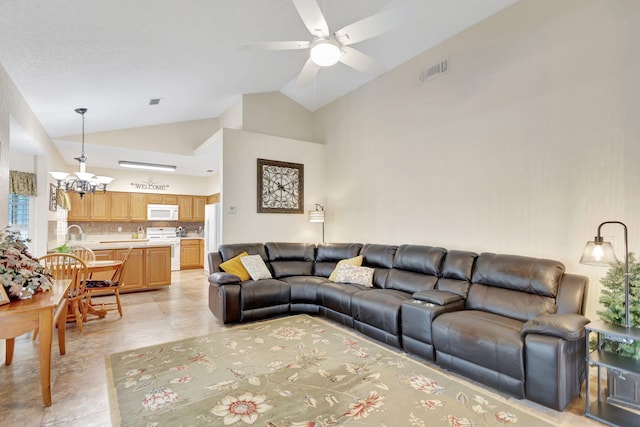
19 270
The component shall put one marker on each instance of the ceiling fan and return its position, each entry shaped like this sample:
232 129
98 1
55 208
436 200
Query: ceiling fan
326 48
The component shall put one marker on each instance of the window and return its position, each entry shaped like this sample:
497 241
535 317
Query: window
19 214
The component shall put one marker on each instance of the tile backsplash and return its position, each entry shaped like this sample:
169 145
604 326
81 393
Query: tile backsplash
125 228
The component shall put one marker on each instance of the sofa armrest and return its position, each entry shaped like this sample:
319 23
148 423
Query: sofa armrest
222 278
566 326
437 297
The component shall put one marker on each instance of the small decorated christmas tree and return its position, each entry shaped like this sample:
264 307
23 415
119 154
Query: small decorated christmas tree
613 298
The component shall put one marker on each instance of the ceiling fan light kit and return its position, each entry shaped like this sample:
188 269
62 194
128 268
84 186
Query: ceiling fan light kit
325 52
327 48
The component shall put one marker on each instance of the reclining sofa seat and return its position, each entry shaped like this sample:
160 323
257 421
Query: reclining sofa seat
335 298
376 312
233 301
451 291
488 340
304 288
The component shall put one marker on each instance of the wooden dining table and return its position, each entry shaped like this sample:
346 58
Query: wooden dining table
39 311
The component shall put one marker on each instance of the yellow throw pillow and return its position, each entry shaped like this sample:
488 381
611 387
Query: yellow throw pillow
234 266
355 261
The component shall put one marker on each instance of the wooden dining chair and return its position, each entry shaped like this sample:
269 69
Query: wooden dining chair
71 267
106 287
84 253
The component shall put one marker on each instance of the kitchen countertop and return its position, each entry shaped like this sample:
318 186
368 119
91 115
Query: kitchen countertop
119 244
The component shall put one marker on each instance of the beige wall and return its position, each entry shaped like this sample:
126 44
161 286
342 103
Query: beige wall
176 138
273 113
127 180
14 109
529 141
241 150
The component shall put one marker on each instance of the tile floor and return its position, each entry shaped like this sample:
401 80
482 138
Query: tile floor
79 385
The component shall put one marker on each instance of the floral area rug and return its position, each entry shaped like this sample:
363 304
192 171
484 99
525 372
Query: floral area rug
298 371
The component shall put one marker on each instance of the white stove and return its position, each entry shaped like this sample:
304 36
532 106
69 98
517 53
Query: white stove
167 235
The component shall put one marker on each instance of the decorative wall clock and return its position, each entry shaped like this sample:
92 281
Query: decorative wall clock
280 187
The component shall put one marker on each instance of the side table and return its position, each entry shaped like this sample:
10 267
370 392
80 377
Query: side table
601 409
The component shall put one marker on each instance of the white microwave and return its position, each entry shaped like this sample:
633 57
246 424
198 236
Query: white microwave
162 212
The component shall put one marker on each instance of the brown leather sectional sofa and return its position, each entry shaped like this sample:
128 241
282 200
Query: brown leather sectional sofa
514 323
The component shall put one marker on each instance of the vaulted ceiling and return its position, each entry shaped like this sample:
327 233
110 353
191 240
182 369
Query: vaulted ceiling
113 56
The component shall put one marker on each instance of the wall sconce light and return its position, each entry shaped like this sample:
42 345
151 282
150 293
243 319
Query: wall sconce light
600 253
317 215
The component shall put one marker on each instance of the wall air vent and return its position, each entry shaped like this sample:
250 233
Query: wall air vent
433 71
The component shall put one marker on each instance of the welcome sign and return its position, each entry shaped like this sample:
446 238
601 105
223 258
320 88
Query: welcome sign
150 184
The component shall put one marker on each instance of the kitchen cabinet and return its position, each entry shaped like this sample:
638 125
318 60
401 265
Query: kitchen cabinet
214 198
158 266
162 199
119 206
147 267
128 207
134 272
191 208
185 208
91 207
138 207
198 208
191 253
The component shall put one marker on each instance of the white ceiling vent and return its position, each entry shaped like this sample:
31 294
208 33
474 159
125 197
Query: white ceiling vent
433 71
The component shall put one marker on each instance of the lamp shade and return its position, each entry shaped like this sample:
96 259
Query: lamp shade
599 254
316 216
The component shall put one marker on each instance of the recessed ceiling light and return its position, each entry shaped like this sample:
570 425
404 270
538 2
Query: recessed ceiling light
154 101
152 166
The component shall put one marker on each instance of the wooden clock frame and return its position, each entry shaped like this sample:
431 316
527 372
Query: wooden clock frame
280 187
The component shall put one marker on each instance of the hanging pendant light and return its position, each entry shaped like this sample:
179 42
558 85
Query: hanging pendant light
82 182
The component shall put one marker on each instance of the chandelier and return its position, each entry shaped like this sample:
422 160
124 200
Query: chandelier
82 182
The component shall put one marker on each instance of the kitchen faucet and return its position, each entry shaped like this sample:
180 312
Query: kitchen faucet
79 229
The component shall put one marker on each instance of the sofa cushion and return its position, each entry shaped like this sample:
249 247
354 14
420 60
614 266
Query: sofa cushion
355 261
421 259
456 272
291 259
337 296
485 339
256 267
379 309
236 267
525 274
304 289
256 294
415 268
328 255
379 257
229 251
505 302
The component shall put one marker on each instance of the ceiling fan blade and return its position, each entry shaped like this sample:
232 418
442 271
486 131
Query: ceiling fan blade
374 25
286 45
359 61
312 17
308 74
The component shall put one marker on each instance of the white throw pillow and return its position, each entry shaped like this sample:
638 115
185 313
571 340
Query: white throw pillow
352 274
256 267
